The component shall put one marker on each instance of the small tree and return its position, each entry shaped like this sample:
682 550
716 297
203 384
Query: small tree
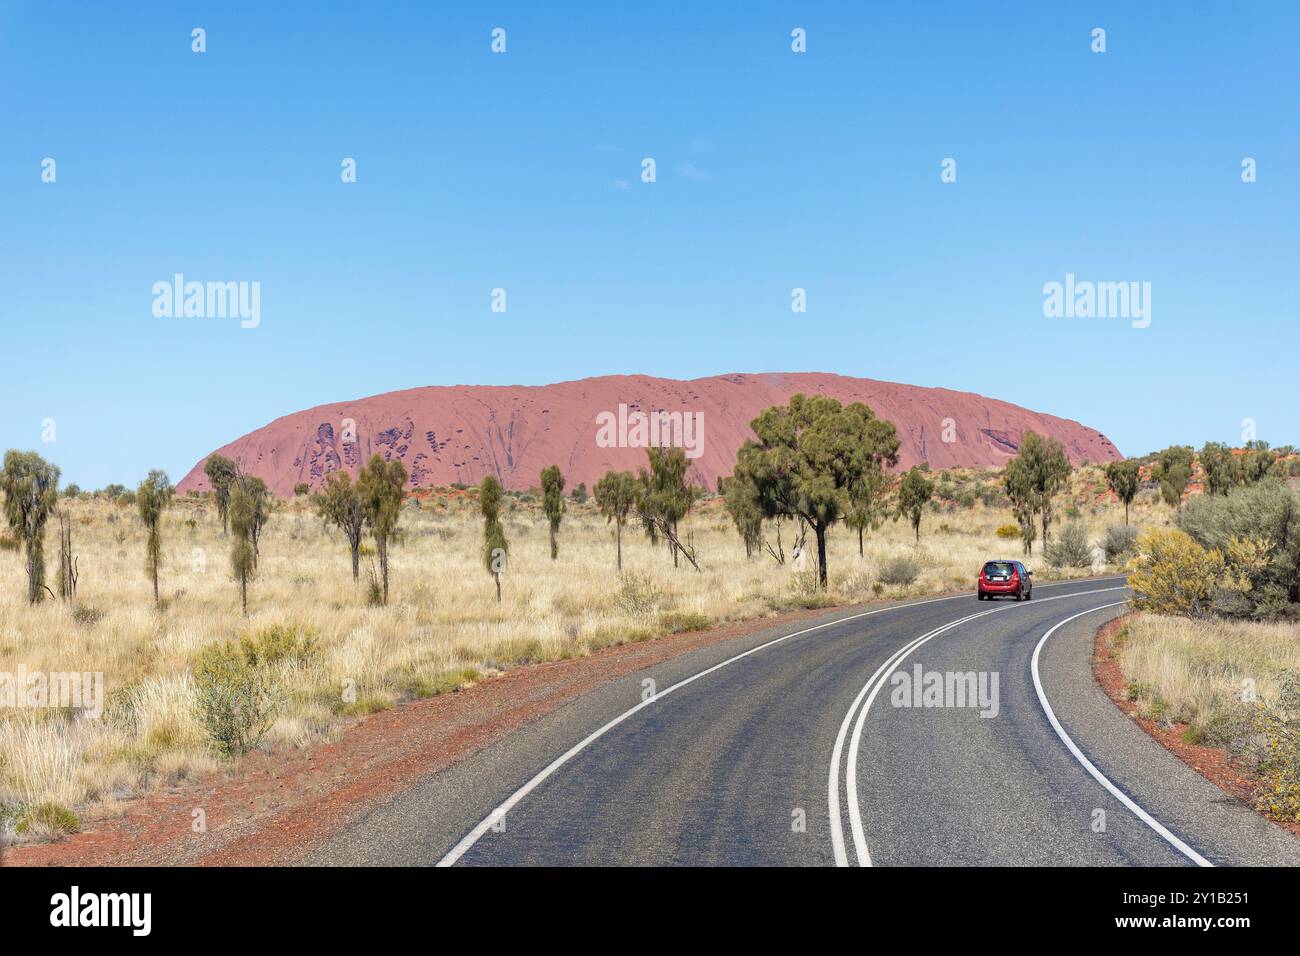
152 498
1033 478
221 473
741 499
809 454
260 501
31 489
339 503
495 546
1122 477
380 486
301 489
1173 469
1257 462
616 495
868 503
580 493
665 496
914 493
553 502
243 510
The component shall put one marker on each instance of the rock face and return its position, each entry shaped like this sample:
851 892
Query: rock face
460 433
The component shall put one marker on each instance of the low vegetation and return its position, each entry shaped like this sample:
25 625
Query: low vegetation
251 626
1233 684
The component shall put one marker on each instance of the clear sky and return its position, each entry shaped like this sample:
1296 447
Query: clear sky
522 170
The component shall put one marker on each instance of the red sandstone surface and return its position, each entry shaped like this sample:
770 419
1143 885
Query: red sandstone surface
459 433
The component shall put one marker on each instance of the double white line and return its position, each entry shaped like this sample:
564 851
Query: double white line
865 698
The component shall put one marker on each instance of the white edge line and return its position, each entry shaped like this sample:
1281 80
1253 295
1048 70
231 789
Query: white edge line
468 841
1101 778
850 781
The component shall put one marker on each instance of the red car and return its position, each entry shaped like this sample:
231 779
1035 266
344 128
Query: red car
1005 577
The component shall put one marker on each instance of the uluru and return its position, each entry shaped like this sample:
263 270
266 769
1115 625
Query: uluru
458 434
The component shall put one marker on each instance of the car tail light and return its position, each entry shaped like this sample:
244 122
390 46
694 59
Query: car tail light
1015 576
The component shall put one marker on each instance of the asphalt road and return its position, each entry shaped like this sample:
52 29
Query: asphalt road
809 745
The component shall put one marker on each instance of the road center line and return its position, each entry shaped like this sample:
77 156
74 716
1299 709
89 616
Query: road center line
869 691
471 838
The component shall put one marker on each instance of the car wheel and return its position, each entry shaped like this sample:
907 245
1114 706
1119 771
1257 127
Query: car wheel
1020 594
1029 596
980 595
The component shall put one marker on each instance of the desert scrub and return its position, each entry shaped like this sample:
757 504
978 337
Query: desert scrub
46 820
901 571
1070 547
277 643
1172 574
236 696
676 622
1274 746
1119 542
442 617
1233 683
639 596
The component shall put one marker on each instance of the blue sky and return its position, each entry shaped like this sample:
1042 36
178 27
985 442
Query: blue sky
521 171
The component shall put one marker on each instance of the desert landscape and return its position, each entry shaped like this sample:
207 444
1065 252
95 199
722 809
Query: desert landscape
330 650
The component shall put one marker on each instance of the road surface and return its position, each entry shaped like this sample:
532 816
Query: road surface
809 745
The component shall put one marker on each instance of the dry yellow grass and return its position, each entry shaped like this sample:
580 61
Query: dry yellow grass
442 627
1195 671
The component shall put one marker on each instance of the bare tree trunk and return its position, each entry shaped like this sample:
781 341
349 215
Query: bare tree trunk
820 531
243 591
67 560
618 539
356 559
383 565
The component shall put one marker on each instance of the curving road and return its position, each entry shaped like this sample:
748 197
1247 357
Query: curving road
937 732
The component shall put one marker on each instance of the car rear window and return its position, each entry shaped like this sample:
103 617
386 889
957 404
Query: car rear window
998 567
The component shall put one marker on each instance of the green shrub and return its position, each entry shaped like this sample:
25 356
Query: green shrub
279 642
901 571
676 622
1008 532
1267 513
236 696
1172 574
1268 735
85 615
46 819
420 685
1119 542
638 596
1070 548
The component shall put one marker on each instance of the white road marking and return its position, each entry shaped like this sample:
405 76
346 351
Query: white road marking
468 841
833 786
1097 775
869 690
